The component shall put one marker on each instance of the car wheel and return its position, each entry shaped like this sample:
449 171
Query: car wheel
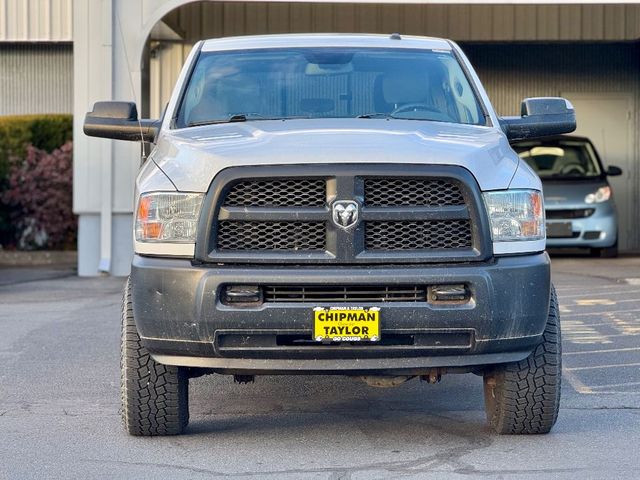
608 252
524 397
155 397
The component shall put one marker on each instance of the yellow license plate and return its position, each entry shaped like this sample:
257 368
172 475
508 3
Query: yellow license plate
355 324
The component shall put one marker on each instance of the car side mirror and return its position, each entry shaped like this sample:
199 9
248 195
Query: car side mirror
119 121
540 117
613 171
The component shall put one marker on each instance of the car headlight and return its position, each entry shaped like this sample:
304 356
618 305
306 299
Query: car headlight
601 195
515 215
169 217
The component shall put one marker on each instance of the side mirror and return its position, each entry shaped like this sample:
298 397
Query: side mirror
119 120
613 171
540 117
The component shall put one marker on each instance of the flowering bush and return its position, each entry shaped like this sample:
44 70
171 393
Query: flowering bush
39 195
45 131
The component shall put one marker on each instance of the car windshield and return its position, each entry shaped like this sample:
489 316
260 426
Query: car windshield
328 83
560 160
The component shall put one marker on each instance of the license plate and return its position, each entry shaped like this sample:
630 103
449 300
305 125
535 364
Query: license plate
559 230
356 324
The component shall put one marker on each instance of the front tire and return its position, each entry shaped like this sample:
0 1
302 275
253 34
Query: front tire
155 397
524 397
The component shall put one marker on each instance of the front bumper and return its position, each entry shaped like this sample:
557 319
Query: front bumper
603 221
182 321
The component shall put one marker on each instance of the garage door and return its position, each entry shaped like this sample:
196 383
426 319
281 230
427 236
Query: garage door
606 120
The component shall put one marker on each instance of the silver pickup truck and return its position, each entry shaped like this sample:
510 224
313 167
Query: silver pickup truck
337 204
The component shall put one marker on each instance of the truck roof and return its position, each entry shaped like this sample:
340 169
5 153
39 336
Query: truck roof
324 40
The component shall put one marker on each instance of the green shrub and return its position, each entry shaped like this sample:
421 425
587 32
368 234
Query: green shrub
46 132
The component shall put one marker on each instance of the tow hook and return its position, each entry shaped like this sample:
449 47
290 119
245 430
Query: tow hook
243 379
434 376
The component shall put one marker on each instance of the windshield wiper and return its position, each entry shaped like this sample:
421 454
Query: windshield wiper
375 115
244 117
396 117
236 117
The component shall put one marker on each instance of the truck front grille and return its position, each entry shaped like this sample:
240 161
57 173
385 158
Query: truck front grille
381 192
271 236
285 214
278 193
418 235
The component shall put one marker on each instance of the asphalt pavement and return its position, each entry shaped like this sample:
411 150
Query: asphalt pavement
59 400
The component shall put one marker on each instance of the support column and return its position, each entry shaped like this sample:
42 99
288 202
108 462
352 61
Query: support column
106 67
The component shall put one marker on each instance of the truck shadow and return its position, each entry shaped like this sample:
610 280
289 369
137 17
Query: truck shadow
333 403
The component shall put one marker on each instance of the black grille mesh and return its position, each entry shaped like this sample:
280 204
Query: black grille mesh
381 192
345 293
418 235
562 214
272 236
278 193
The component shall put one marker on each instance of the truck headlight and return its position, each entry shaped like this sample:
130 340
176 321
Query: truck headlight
515 215
169 217
601 195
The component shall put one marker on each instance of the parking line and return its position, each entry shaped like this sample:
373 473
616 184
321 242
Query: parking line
610 323
593 367
604 350
603 304
614 385
621 335
592 295
614 392
575 382
584 314
583 287
594 302
563 287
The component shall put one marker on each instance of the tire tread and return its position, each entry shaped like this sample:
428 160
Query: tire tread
526 396
154 396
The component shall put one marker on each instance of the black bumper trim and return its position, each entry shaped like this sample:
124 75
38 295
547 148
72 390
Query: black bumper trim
370 366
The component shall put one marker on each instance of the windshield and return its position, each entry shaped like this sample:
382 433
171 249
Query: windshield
567 159
328 83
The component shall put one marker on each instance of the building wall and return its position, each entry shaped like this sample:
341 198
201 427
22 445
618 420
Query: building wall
36 56
36 78
462 22
511 72
36 20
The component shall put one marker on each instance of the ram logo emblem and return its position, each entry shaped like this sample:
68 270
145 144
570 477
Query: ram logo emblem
345 213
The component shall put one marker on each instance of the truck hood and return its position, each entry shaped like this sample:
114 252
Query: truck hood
192 157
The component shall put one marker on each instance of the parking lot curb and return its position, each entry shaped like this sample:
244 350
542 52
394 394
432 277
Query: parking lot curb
38 258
